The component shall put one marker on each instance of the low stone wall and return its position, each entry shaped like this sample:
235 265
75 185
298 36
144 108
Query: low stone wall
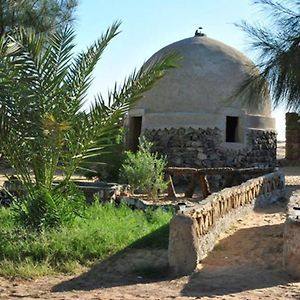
291 236
195 231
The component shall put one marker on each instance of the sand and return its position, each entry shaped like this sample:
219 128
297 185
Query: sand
246 264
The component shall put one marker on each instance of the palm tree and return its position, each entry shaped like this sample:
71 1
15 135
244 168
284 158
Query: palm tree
279 54
41 15
43 87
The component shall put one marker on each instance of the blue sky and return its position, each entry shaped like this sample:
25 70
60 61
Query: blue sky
148 25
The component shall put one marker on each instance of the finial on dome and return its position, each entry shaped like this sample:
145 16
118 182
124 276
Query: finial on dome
198 32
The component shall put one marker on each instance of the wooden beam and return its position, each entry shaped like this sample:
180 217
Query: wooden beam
204 185
171 189
217 171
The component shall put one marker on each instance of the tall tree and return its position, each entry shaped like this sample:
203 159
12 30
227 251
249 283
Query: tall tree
41 15
278 46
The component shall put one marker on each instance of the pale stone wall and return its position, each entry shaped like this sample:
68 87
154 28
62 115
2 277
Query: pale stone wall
291 237
194 232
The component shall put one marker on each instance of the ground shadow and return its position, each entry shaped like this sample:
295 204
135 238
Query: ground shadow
143 261
249 259
290 189
234 279
280 205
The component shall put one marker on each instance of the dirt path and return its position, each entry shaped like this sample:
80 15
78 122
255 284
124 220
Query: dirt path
246 264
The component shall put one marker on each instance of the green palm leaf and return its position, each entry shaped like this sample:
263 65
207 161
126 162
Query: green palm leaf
43 128
278 47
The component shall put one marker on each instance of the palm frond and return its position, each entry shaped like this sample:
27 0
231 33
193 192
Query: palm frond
79 77
278 47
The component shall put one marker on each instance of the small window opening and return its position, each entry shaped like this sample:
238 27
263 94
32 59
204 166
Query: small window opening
232 132
135 128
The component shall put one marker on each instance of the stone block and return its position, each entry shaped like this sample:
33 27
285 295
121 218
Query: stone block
183 244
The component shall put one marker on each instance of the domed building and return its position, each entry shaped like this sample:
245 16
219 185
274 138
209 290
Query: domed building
191 116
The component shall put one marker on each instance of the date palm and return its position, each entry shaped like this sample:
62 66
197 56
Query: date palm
278 46
43 128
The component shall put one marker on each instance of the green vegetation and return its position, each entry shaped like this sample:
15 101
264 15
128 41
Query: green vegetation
43 129
277 43
107 165
144 171
49 209
40 15
101 232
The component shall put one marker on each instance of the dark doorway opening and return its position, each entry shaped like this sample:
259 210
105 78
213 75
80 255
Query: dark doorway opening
232 134
135 128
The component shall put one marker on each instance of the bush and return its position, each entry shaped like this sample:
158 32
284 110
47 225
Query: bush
44 209
144 171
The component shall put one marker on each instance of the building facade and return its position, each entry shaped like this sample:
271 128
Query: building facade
192 116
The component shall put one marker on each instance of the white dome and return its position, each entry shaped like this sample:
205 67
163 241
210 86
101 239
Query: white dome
206 77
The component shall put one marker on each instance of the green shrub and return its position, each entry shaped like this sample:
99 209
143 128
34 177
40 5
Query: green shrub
44 209
144 171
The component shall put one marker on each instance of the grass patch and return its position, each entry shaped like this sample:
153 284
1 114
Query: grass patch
103 231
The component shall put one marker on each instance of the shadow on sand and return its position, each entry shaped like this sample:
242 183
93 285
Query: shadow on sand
250 259
143 261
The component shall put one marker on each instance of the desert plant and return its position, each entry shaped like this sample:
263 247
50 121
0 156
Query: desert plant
107 165
46 209
43 128
144 170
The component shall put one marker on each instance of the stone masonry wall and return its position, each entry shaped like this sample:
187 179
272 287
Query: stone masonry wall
292 136
291 236
194 232
190 147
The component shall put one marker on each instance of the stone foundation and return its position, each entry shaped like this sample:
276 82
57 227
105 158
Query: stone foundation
291 248
202 148
195 231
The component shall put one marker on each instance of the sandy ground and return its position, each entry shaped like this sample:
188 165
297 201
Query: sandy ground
246 264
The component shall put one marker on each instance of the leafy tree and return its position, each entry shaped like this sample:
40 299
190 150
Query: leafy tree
41 15
278 46
43 128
